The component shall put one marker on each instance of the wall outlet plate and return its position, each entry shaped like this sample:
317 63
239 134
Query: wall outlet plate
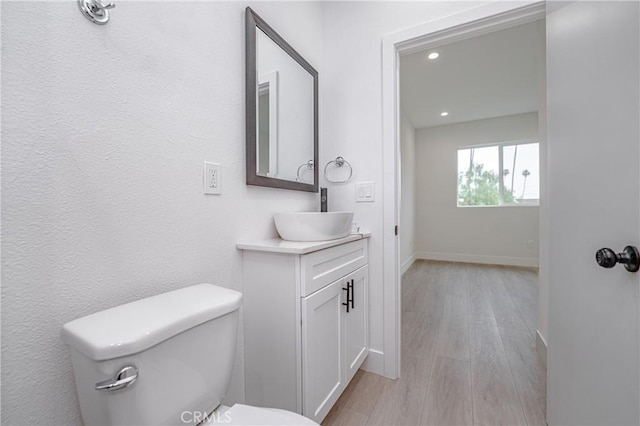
211 178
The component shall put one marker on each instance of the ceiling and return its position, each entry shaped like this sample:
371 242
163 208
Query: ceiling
488 76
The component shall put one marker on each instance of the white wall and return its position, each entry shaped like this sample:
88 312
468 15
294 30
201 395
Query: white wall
352 112
481 234
104 131
408 192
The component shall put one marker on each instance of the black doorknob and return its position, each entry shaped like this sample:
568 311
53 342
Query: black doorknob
630 257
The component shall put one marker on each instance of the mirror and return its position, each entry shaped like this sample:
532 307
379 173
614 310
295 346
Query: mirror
282 111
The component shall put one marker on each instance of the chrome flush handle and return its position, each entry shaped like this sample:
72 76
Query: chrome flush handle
124 378
96 11
98 4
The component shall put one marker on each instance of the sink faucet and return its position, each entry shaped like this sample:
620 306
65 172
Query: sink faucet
323 199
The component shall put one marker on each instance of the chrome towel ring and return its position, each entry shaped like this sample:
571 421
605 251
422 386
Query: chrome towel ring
339 162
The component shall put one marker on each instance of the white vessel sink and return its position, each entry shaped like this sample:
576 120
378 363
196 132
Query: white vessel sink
313 226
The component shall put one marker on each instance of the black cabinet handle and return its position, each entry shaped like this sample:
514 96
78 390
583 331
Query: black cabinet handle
348 289
353 295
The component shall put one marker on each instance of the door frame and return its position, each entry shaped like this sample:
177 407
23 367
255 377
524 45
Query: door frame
470 23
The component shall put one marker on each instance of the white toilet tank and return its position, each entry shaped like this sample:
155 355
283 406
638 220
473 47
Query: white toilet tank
180 347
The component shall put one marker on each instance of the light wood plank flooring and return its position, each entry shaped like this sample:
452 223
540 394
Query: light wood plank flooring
468 353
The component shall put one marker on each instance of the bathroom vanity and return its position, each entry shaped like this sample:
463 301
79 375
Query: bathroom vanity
305 311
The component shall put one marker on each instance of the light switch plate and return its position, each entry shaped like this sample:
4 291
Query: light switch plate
365 192
211 178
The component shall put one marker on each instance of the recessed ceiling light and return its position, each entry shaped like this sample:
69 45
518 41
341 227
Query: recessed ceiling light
444 114
433 55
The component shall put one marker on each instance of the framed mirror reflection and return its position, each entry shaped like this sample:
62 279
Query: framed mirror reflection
281 111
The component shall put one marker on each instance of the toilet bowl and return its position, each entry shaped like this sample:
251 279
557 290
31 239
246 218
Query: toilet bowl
164 360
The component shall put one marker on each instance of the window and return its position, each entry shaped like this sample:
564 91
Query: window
480 182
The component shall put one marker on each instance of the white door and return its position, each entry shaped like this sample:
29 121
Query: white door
322 358
594 202
356 322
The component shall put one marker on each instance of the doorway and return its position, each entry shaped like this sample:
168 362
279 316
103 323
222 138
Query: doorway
588 383
479 21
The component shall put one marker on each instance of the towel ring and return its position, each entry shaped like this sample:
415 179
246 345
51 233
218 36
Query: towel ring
339 162
308 165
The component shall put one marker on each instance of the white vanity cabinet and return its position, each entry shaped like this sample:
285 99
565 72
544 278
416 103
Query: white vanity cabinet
305 321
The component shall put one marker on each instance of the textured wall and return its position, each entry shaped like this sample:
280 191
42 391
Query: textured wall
104 131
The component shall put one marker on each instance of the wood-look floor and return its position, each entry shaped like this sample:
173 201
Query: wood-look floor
468 353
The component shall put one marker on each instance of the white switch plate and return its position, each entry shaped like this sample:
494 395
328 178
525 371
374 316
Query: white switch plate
365 192
211 178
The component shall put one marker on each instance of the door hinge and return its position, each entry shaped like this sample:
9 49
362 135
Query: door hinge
396 229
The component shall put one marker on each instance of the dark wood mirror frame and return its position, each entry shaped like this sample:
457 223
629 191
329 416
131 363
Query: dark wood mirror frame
254 22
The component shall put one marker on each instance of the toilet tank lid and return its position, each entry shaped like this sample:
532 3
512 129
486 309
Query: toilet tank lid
136 326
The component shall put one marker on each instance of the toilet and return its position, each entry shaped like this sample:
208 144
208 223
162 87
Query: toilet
164 360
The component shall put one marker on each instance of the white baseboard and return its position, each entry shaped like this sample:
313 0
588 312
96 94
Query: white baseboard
374 362
528 262
407 263
541 347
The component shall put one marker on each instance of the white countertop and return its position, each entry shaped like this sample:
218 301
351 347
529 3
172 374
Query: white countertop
277 245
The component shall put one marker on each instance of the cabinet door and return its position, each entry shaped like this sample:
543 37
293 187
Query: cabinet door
356 322
322 357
